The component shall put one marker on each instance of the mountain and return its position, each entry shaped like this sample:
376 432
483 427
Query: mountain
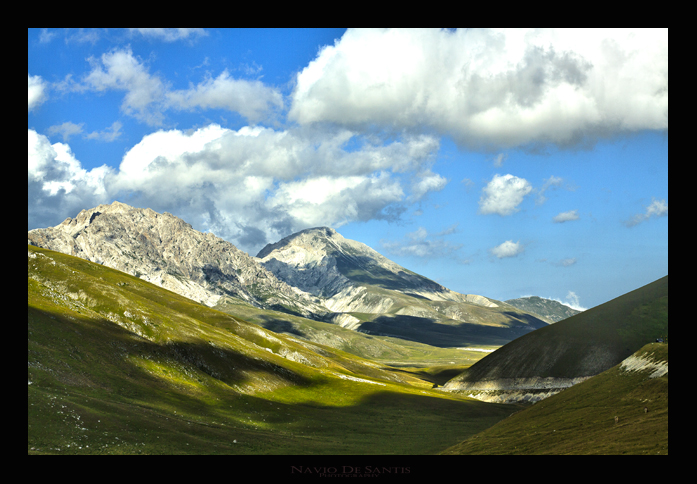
316 274
117 365
165 250
372 294
565 353
546 309
581 419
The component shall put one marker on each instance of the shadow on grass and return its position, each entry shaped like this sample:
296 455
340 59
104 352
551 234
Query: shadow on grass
168 415
428 331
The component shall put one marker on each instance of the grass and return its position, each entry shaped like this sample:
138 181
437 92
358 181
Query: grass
383 349
585 344
581 419
117 365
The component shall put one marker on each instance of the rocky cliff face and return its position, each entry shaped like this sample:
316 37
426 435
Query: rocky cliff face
322 262
168 252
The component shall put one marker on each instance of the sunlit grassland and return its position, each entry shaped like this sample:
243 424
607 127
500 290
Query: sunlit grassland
118 365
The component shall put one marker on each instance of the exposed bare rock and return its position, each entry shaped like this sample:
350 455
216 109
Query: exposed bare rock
167 251
324 263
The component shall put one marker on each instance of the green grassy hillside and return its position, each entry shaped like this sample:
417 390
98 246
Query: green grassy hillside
383 349
582 345
581 419
118 365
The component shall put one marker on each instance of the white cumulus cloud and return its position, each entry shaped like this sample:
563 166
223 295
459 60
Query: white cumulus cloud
657 208
491 88
249 186
252 99
36 91
57 184
507 249
120 70
503 194
148 97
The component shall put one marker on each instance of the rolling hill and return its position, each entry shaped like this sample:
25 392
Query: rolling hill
117 365
574 349
315 274
581 419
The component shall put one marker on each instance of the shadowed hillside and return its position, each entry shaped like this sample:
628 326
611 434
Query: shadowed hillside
581 419
580 346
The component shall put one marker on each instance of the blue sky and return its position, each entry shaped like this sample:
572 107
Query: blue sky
496 162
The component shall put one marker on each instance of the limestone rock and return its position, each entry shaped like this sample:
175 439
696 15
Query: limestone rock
168 252
322 262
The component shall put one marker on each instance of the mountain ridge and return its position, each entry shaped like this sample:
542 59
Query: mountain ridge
370 293
315 273
548 309
167 251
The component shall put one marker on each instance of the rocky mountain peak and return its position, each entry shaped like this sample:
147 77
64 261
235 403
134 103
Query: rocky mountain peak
167 251
322 262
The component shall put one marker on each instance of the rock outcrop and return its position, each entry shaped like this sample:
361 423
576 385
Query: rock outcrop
167 251
324 263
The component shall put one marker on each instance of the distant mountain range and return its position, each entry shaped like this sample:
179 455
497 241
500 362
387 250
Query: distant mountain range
547 309
227 360
315 273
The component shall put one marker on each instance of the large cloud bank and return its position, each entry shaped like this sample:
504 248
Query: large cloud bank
488 88
330 163
250 186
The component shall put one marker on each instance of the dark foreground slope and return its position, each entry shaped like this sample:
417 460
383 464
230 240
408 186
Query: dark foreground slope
119 365
581 346
581 419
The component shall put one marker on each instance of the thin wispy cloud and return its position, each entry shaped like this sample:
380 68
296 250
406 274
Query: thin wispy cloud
423 245
657 208
112 133
573 301
551 182
66 130
499 159
170 34
566 217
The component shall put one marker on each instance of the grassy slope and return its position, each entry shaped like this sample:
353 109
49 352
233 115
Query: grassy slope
118 365
585 344
384 349
580 419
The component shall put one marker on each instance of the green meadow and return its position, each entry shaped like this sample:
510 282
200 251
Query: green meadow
117 365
